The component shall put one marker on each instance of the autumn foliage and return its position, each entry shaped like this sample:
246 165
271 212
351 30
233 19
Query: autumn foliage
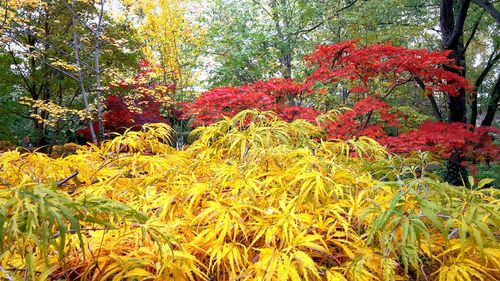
253 198
134 102
396 65
371 73
358 67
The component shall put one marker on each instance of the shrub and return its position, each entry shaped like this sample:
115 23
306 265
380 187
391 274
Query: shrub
253 197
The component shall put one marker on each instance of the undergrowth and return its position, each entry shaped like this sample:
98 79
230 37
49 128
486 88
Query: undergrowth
252 198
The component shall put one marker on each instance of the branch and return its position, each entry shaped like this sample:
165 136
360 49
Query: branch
395 86
459 26
473 33
491 62
6 274
65 180
25 79
385 96
264 8
488 7
77 17
432 100
58 69
312 28
6 16
31 33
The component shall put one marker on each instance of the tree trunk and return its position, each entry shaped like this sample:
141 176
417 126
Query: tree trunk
452 39
492 104
80 74
435 108
98 73
432 100
479 81
286 53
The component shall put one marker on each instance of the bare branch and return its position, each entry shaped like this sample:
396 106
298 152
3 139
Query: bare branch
312 28
488 7
65 180
473 33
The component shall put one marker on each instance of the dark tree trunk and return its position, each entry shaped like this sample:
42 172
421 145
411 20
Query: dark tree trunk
452 39
479 81
452 25
492 104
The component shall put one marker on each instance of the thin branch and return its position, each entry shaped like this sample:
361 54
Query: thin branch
432 100
473 33
60 70
6 274
65 180
6 16
395 86
73 13
385 96
312 28
489 65
264 8
488 7
25 79
30 33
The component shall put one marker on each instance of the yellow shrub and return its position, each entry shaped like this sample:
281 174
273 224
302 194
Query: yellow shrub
253 198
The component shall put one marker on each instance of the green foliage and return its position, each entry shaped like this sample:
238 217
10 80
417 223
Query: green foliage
489 171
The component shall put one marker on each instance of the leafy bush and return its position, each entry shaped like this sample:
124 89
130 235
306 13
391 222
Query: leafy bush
253 197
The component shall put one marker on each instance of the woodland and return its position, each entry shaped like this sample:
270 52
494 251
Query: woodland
249 140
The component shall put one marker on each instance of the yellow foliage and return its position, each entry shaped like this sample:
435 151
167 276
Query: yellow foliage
252 198
170 39
56 113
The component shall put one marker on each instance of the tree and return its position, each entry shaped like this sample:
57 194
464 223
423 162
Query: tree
254 40
492 104
376 70
44 62
97 67
453 15
80 78
170 40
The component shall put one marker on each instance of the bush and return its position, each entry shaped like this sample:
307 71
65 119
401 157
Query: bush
253 197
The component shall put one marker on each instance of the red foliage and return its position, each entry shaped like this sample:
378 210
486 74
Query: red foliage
134 102
440 138
281 89
291 113
118 117
397 65
210 106
338 62
444 138
356 122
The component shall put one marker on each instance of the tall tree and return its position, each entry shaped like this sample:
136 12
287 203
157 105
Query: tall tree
170 39
36 37
453 15
80 78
